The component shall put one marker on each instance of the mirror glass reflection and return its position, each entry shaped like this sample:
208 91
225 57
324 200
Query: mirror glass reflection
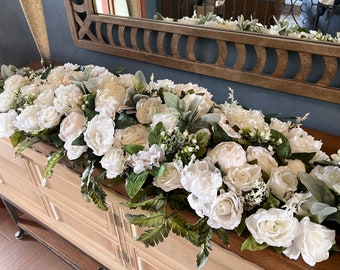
321 15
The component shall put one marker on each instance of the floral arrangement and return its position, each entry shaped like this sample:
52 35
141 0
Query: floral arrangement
175 150
281 27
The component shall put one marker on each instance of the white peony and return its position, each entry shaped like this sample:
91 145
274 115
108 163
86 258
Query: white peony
48 117
226 211
227 155
6 100
45 98
329 175
72 125
135 134
171 177
263 157
147 108
275 226
113 162
67 98
110 100
14 83
99 135
202 179
27 120
313 242
296 165
243 178
283 183
7 127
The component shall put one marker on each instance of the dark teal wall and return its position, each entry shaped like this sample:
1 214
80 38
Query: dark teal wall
17 47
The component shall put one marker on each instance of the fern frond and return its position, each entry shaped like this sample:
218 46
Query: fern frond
153 204
182 228
154 236
154 219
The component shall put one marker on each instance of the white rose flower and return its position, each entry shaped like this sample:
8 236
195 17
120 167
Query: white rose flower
279 126
201 208
74 151
227 155
146 159
275 226
169 119
328 174
301 142
283 183
27 120
135 134
48 117
296 165
110 100
226 211
313 242
99 134
72 125
113 162
243 178
125 80
263 157
171 177
61 75
14 83
67 98
202 179
147 108
7 127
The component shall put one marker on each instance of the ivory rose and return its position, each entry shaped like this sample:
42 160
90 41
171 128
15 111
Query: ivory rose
171 177
72 125
169 118
226 211
283 183
329 175
227 155
99 134
48 117
275 226
110 100
147 108
313 242
243 178
263 157
135 134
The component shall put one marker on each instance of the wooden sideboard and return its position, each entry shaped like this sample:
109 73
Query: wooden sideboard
107 237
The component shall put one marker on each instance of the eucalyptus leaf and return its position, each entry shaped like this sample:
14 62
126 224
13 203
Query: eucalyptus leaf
171 100
205 121
322 210
139 81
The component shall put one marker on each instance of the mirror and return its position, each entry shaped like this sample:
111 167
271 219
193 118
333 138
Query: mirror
291 65
323 15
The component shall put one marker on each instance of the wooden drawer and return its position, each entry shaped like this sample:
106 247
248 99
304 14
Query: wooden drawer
84 233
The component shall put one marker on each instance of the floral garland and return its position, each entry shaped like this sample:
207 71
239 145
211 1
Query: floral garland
280 28
176 150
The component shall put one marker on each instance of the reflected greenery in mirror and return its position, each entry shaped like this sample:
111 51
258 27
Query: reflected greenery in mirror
284 17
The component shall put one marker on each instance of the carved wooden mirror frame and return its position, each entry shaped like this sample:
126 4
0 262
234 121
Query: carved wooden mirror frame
230 55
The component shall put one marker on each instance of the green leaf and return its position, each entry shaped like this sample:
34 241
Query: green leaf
16 138
252 245
133 148
304 157
154 236
123 121
219 135
139 81
205 121
171 100
153 219
90 188
155 133
46 72
26 144
222 235
242 226
134 183
317 188
271 202
157 171
79 141
181 227
283 149
154 204
52 161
